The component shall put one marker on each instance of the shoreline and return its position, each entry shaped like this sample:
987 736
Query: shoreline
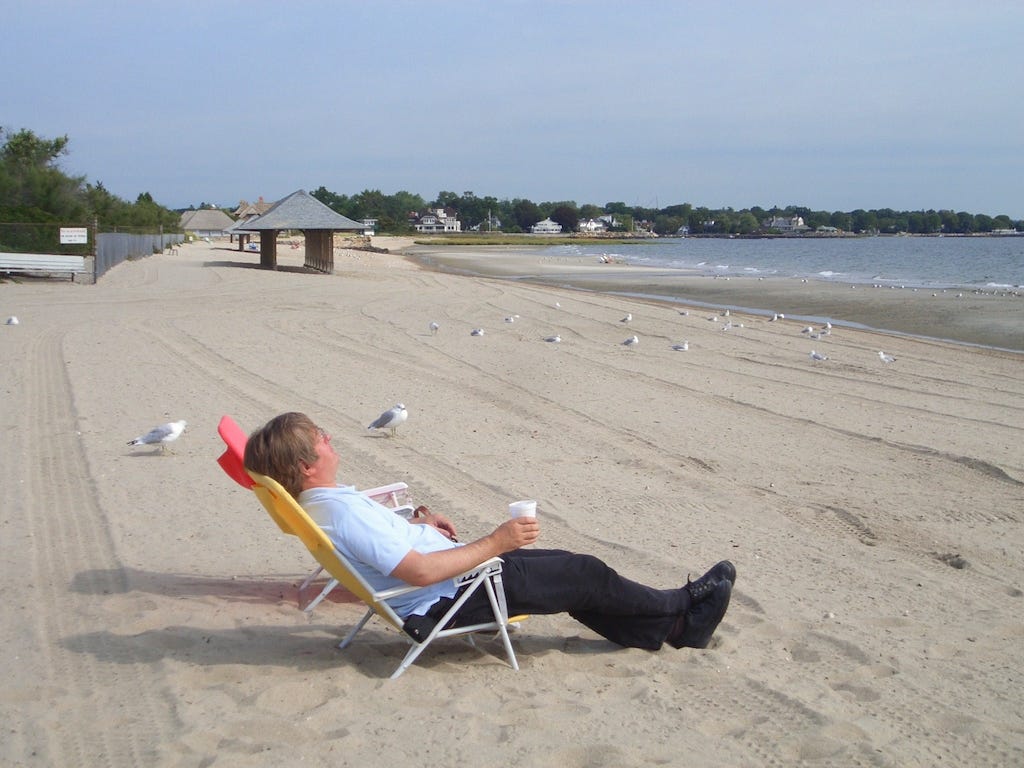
988 320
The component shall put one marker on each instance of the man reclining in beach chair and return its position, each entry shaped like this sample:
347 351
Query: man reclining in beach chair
389 552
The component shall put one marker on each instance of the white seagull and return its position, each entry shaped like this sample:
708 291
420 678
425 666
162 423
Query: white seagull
632 341
885 358
818 356
628 318
477 332
391 418
556 339
681 347
434 327
12 320
162 435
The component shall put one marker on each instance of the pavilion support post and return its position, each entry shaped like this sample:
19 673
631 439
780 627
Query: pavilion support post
268 248
320 250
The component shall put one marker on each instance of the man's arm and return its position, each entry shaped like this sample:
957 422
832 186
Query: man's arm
421 569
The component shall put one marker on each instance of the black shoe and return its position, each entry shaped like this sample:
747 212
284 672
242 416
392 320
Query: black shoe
701 588
694 628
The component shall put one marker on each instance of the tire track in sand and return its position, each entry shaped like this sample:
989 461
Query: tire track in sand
74 565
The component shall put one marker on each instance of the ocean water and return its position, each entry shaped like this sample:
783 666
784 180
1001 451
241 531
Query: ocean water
987 263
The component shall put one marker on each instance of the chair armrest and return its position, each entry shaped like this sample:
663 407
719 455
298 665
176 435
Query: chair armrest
406 511
488 567
393 493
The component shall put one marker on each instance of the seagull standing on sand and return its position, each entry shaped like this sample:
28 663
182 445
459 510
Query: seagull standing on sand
628 318
631 342
556 339
434 327
681 347
818 356
162 435
885 358
477 332
391 418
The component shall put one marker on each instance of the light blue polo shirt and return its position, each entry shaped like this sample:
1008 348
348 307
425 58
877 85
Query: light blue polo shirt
375 539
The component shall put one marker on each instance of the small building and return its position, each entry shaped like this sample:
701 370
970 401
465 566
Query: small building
301 211
206 222
787 223
546 227
438 220
590 226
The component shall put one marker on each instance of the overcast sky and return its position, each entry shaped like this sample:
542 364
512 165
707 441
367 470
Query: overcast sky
831 105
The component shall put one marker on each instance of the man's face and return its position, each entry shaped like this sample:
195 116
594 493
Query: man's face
323 471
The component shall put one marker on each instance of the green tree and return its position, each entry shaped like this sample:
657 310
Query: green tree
747 224
567 215
525 213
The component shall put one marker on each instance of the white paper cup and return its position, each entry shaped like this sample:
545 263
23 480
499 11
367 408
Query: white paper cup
523 509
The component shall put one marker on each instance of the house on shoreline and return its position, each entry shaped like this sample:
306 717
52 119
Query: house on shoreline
438 220
546 227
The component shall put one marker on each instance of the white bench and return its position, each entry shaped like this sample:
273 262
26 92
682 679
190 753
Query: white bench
42 262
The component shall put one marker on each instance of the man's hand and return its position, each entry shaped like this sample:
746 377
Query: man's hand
424 516
517 532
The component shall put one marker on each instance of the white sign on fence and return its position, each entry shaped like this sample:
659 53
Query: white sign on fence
74 235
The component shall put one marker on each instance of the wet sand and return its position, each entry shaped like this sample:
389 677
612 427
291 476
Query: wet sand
993 318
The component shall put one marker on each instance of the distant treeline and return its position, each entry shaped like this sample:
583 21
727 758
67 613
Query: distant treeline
394 214
35 195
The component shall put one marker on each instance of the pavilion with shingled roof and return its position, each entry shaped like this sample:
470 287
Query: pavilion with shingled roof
300 210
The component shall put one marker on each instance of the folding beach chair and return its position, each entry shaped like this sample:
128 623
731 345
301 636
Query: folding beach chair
393 495
292 519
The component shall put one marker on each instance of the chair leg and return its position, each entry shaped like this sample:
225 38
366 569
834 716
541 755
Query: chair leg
309 579
323 593
502 619
351 635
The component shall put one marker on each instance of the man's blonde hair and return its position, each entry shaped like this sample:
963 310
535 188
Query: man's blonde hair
280 447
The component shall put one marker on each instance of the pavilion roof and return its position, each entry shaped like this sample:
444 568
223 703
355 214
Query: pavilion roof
300 210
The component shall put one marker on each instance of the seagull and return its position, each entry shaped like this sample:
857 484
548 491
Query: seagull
627 318
885 358
391 418
12 320
554 339
477 332
808 329
817 356
434 327
632 341
162 435
684 312
510 319
774 317
681 347
726 313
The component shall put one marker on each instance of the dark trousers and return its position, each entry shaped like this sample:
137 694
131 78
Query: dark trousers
542 581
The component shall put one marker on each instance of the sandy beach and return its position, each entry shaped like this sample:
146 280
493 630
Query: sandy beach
873 512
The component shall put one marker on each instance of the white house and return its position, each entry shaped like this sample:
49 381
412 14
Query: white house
546 227
783 224
438 220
